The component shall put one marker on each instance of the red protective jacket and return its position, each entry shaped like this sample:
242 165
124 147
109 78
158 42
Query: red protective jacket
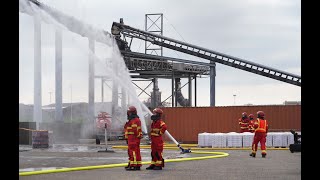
260 125
251 128
261 130
125 136
133 134
244 125
158 128
133 130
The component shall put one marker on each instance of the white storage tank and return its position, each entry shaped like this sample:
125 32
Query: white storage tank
290 138
206 139
210 138
219 140
277 139
285 139
269 139
247 139
234 139
201 140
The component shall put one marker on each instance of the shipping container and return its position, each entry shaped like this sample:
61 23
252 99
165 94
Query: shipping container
185 123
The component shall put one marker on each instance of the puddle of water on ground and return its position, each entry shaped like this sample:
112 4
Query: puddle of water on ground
39 169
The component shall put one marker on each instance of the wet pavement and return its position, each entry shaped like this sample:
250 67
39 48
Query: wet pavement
279 164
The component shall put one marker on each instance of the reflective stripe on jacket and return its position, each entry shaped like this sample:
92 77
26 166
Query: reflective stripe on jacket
261 125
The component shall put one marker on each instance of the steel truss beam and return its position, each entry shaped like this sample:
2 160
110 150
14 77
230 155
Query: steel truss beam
207 54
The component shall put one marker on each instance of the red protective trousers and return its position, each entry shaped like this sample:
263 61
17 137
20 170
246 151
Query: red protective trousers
262 138
158 128
156 151
134 134
134 151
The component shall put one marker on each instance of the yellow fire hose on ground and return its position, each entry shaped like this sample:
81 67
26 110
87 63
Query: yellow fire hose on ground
191 147
216 155
166 146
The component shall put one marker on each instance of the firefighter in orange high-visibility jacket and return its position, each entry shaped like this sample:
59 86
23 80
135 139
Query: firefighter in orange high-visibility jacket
251 121
244 123
158 128
133 134
260 135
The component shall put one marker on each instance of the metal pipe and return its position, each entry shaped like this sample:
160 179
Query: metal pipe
195 90
190 91
212 84
37 110
91 108
58 74
102 90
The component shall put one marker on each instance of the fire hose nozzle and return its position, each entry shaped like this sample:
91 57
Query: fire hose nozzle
184 150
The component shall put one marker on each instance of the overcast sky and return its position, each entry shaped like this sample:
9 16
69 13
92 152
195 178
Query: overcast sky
264 32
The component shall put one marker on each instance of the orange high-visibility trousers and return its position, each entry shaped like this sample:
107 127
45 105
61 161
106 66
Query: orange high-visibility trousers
262 138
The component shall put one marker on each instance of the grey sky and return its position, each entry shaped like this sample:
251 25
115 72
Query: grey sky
264 32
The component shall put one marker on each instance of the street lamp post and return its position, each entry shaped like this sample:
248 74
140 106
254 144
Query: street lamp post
234 99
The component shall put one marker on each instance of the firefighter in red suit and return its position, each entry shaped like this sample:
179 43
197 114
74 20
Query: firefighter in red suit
251 121
158 128
244 123
133 134
261 129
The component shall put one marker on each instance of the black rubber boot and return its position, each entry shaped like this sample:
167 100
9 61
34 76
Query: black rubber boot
157 168
127 166
130 168
264 155
253 155
150 167
137 168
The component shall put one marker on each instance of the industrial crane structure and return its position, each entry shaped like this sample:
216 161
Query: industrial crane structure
161 67
148 66
145 65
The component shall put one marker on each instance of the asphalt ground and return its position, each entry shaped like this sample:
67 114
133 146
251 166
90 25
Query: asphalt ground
279 164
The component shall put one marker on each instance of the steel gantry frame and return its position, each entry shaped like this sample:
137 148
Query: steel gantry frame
162 41
155 27
204 53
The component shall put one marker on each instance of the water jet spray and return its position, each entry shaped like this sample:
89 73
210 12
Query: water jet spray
64 21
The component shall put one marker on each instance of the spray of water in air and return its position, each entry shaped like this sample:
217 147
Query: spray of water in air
108 62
